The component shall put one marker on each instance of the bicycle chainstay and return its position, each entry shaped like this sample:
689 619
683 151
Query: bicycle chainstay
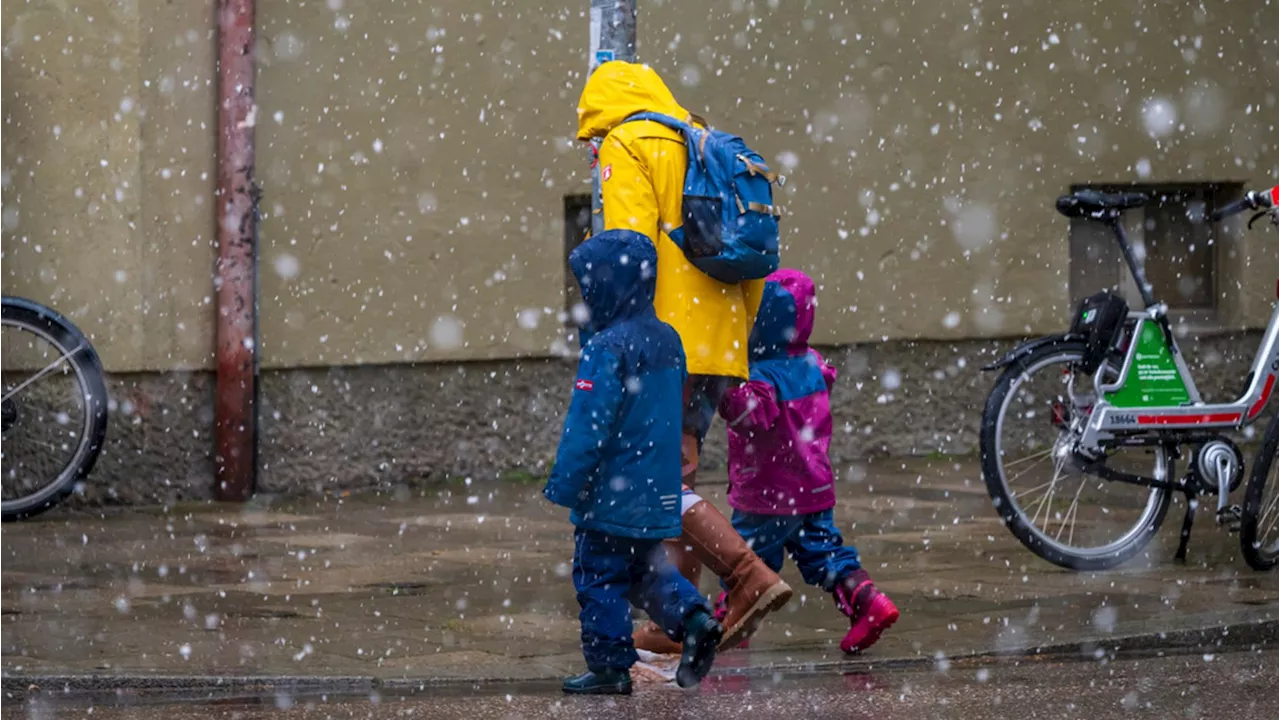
1099 468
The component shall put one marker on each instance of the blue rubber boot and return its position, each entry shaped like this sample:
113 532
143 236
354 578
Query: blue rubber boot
702 636
605 682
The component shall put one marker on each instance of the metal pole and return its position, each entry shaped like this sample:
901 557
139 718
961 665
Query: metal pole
613 37
234 407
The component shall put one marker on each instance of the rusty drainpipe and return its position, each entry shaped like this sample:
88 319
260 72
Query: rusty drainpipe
235 412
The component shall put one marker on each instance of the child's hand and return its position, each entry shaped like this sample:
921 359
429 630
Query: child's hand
753 405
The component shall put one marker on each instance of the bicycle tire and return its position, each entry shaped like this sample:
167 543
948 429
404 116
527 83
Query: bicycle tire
64 335
1003 499
1258 557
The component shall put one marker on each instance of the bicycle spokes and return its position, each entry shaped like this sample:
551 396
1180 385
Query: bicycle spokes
44 411
1269 518
1048 491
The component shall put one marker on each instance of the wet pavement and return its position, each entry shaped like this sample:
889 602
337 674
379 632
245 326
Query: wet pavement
1238 685
465 583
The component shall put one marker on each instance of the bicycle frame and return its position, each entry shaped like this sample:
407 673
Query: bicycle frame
1141 397
1107 422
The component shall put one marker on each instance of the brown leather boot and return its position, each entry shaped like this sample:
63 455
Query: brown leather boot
752 589
649 636
687 563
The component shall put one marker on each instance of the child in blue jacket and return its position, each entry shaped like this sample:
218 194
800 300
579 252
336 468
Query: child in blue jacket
618 470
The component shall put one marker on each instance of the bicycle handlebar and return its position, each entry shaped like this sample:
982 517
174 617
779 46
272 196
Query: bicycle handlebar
1252 200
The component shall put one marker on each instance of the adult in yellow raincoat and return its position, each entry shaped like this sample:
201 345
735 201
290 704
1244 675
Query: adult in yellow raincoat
642 169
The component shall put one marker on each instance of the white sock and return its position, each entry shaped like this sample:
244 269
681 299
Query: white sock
688 500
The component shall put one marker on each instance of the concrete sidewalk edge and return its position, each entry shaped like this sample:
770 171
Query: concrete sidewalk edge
176 688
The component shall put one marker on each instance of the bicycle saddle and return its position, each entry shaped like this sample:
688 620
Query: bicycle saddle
1096 204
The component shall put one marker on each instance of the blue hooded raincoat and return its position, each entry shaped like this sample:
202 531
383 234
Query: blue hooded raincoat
618 465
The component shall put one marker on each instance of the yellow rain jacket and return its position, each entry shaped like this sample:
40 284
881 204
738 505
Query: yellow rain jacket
642 168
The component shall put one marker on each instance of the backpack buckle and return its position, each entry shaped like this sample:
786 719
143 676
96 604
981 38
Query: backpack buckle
774 210
755 169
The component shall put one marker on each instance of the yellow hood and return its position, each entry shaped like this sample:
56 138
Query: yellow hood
616 91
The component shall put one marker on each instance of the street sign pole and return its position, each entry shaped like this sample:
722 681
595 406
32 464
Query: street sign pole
613 37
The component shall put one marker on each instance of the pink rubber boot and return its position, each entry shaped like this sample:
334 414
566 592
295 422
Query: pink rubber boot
870 611
722 610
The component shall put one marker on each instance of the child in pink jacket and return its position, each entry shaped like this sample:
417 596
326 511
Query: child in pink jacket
781 486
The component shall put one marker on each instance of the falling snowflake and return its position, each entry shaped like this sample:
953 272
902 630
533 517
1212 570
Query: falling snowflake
446 333
1159 117
286 266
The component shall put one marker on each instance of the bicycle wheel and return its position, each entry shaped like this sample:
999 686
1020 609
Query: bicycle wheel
1070 518
1259 529
54 408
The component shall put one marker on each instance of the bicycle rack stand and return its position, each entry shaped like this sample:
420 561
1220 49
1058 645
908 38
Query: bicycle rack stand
1185 536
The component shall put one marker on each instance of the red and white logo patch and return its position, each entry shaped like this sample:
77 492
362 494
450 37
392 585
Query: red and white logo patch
585 385
606 173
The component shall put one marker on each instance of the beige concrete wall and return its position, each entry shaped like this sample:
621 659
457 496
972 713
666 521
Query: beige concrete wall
958 124
108 172
414 157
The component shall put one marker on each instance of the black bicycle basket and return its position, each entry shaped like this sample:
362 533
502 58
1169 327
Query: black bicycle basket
1099 319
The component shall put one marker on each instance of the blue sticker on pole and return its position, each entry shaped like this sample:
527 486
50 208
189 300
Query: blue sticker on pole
604 56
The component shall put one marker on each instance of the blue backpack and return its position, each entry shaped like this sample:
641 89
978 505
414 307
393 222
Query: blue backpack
730 224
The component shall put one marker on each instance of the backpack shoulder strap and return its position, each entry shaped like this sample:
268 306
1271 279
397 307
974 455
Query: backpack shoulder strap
677 125
695 138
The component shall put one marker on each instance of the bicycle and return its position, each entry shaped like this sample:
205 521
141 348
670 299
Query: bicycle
1110 406
54 408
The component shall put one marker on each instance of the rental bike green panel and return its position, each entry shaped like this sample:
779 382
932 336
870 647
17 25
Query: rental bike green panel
1154 380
